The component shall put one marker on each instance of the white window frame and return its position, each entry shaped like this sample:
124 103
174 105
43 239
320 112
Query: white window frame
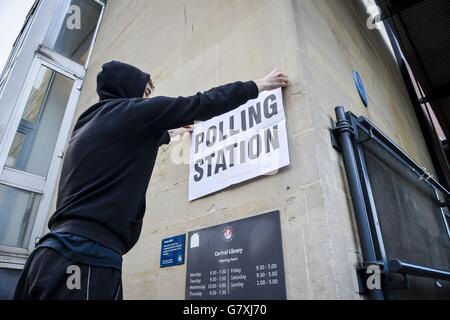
15 257
30 182
54 33
18 45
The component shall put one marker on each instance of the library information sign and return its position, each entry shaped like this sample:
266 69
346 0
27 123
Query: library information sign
242 259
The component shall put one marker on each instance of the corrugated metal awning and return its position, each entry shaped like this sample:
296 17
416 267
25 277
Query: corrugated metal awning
422 28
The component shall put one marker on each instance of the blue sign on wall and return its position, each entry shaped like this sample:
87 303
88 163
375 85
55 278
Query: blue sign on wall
172 251
361 89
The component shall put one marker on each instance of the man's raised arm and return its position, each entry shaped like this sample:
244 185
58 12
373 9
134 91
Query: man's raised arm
164 113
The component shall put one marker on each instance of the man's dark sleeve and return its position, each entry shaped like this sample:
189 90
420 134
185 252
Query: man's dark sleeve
164 113
165 139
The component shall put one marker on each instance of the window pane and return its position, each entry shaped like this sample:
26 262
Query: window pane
35 139
18 210
72 28
37 95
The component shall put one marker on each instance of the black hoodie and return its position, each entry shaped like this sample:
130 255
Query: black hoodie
112 151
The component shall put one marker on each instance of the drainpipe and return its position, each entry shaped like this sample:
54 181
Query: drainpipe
343 132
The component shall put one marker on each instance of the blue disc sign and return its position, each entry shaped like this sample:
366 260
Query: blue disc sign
172 251
360 87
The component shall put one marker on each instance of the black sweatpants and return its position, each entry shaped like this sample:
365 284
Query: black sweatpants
50 276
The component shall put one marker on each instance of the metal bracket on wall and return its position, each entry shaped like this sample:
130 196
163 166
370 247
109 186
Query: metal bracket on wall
362 276
370 137
388 280
444 204
396 281
401 267
334 132
334 141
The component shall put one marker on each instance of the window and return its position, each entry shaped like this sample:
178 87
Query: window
30 161
68 38
18 210
43 91
36 135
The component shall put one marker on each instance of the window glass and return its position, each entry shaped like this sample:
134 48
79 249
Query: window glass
72 28
36 136
18 210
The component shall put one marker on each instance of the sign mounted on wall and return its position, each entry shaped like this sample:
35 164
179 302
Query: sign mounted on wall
172 251
241 259
239 145
360 87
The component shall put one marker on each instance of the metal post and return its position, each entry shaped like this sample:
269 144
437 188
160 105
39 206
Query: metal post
343 132
416 270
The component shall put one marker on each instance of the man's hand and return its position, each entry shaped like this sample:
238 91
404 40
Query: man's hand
181 131
272 81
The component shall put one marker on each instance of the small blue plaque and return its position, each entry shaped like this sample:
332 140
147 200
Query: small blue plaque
360 87
172 251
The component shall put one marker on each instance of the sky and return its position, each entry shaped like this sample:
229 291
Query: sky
12 17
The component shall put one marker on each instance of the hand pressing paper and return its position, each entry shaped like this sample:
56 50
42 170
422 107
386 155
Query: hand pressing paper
181 147
180 131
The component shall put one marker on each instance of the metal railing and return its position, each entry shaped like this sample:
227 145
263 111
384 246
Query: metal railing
371 157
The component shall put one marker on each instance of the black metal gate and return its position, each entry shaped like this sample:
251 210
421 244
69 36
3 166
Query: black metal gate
401 211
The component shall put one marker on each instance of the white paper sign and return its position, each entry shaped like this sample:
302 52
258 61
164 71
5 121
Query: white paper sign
244 143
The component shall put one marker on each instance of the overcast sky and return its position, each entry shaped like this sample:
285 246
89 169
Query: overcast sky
12 17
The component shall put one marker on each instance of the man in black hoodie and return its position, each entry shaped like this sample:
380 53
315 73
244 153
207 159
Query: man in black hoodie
104 179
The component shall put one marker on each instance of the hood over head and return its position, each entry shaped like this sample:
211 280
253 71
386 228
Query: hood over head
121 80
